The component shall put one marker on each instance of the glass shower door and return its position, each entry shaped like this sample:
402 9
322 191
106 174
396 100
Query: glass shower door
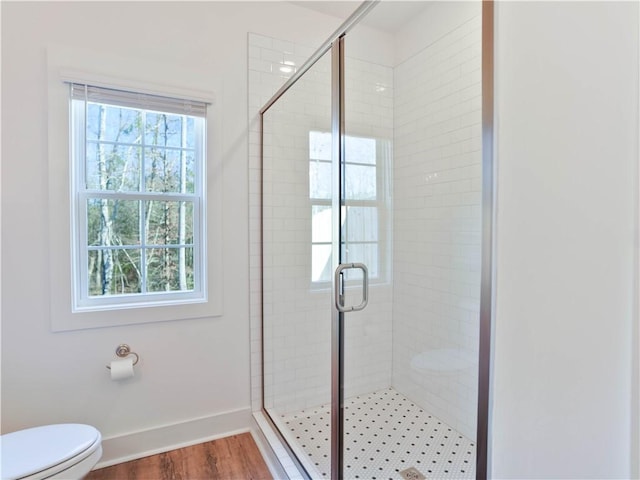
297 259
410 211
366 238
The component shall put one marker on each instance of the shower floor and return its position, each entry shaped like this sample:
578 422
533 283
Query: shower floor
385 434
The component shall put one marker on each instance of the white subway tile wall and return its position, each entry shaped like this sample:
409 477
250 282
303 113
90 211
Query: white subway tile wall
296 316
437 221
264 79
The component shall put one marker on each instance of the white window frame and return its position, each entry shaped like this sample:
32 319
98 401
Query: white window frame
79 65
82 301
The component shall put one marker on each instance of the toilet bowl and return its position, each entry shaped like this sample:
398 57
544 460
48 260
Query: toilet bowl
65 451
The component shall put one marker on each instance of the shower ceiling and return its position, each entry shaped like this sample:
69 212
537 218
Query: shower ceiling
385 16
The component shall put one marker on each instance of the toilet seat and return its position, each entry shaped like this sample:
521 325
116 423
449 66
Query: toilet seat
42 452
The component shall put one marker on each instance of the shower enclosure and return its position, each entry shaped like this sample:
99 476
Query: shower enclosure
375 250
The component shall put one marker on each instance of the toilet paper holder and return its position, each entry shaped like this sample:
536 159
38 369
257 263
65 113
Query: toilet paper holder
123 351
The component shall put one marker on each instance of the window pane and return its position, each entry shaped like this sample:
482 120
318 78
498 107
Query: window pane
319 180
169 269
113 222
137 246
320 146
113 167
191 132
165 130
321 224
169 223
168 170
360 150
366 253
361 224
114 272
108 123
321 263
360 182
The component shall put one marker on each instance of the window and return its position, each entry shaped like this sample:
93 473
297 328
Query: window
364 228
138 204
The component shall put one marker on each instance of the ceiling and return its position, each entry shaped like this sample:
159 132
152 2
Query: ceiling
388 15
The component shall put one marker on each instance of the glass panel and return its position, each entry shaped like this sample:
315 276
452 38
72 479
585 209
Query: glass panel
166 130
113 222
321 224
169 170
320 145
297 258
411 356
319 179
107 123
169 223
114 272
366 253
169 269
113 167
360 182
361 224
360 149
321 263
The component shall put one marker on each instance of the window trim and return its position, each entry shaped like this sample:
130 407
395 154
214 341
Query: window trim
64 64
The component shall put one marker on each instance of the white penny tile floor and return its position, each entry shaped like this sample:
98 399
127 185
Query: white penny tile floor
385 435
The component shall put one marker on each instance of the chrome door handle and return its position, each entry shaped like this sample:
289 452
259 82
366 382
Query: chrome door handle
339 287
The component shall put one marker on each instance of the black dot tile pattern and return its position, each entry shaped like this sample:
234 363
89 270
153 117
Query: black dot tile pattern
385 433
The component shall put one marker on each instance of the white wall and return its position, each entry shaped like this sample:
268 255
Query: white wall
189 369
567 136
435 21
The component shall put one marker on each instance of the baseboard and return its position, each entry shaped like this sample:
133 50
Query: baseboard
131 446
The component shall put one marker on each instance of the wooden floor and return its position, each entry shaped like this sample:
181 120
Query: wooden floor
232 458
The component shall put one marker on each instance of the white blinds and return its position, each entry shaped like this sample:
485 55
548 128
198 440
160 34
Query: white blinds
138 100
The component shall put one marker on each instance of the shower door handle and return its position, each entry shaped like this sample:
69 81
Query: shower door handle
339 287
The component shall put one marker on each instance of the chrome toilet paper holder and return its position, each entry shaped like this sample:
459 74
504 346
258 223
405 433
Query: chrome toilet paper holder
123 350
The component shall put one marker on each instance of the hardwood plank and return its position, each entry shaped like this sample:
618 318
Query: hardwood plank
230 458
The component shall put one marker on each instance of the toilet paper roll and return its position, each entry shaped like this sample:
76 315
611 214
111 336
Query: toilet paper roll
121 369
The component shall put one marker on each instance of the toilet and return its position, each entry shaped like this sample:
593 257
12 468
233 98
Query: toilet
65 451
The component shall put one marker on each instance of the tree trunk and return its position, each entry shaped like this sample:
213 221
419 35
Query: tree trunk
166 220
182 227
106 225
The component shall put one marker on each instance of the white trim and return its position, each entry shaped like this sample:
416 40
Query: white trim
97 79
635 383
135 445
285 460
267 452
494 237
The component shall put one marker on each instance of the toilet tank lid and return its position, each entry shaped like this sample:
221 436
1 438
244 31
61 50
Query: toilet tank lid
29 451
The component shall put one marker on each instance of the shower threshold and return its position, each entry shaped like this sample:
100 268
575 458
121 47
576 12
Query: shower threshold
386 436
